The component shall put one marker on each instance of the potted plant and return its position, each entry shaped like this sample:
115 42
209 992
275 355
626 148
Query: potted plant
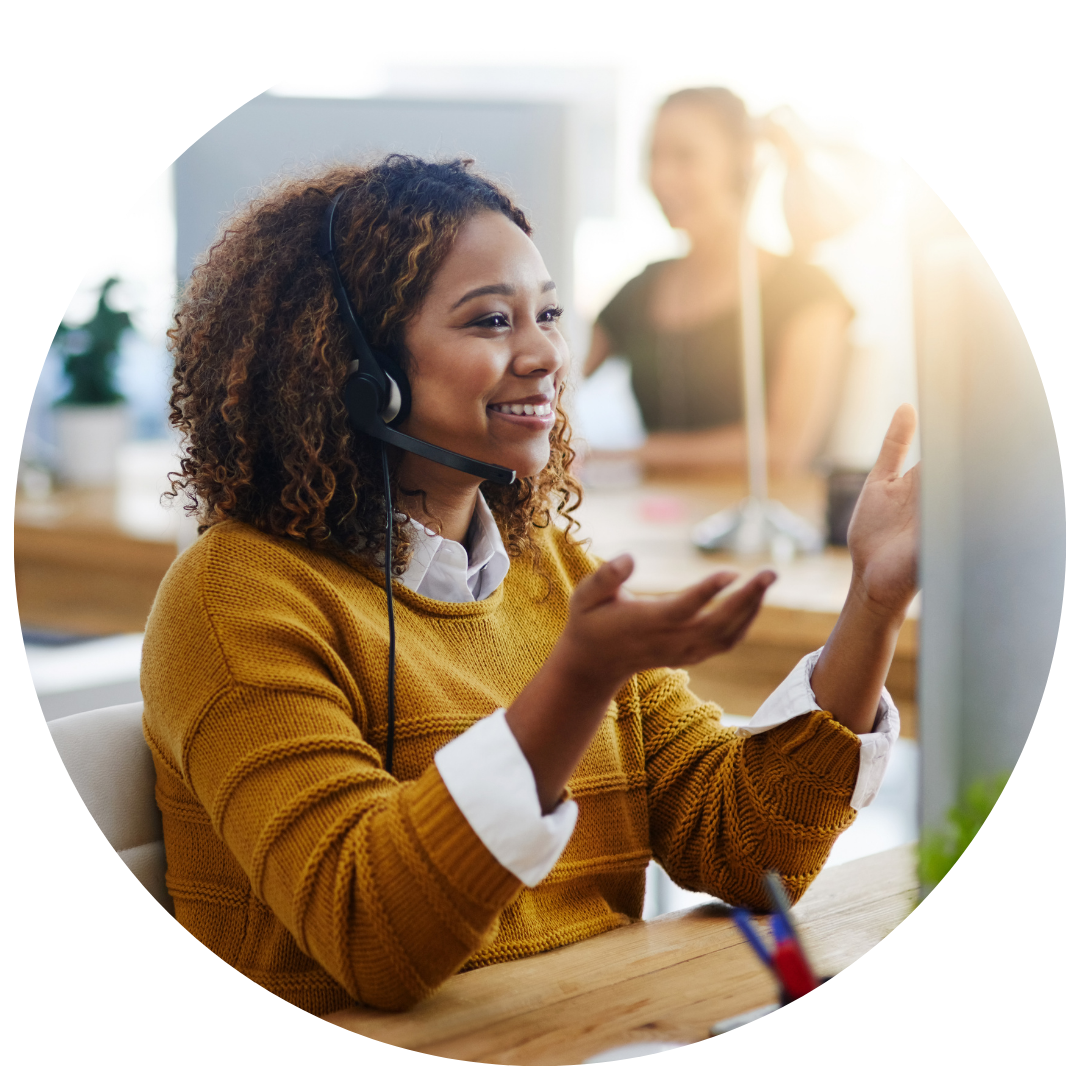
92 418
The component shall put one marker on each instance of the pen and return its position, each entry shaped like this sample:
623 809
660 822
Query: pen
789 961
746 925
792 969
781 904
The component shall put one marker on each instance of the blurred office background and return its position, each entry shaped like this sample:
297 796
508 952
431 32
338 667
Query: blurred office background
931 327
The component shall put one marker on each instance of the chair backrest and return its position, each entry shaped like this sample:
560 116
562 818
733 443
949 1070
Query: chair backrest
112 769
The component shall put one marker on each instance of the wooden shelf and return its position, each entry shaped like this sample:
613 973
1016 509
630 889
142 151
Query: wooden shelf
76 571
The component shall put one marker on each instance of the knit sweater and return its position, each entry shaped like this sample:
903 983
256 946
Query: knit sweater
297 859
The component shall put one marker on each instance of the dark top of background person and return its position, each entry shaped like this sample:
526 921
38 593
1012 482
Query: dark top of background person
686 380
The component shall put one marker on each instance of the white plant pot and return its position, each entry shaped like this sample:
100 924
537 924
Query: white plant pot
87 440
142 477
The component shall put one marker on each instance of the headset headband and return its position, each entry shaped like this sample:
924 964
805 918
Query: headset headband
377 392
390 392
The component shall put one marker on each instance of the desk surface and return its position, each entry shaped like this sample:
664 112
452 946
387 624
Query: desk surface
668 979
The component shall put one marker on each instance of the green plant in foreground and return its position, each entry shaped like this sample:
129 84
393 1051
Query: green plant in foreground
91 352
940 848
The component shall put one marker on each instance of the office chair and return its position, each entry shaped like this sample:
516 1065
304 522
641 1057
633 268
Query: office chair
110 764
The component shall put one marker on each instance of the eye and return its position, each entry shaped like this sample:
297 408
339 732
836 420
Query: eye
550 315
495 321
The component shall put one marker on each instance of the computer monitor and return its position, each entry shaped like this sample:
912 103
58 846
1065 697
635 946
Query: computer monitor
993 541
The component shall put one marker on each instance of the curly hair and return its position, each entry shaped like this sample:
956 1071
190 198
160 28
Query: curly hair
261 357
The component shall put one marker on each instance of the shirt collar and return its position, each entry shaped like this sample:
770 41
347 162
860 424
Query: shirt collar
442 569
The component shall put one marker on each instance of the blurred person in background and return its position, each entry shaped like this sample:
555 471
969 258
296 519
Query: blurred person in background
678 322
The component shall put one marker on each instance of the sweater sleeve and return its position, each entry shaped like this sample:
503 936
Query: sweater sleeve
724 807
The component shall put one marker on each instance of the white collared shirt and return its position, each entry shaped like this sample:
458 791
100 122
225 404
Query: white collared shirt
485 771
442 569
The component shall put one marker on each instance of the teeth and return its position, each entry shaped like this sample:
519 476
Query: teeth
543 409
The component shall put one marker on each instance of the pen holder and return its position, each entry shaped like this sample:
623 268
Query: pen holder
786 960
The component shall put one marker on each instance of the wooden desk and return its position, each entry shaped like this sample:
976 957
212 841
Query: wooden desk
668 979
653 521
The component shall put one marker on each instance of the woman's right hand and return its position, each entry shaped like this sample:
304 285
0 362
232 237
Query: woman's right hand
610 635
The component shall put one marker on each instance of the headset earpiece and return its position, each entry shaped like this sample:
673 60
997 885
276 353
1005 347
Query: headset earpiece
399 402
396 408
393 408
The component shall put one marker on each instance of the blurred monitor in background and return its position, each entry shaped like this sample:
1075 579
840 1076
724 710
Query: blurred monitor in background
677 323
993 526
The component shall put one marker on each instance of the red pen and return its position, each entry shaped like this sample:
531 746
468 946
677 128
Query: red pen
791 967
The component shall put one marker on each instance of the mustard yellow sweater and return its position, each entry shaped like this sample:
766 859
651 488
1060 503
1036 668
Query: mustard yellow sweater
298 860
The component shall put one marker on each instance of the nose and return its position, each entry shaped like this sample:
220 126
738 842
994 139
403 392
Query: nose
539 352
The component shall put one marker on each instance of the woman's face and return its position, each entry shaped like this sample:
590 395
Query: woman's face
486 356
692 169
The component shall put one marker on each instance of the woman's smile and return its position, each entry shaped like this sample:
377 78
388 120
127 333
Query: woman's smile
536 412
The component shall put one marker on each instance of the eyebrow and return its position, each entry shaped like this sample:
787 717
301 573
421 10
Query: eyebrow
497 290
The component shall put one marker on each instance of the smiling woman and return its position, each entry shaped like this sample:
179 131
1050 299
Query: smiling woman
261 356
526 673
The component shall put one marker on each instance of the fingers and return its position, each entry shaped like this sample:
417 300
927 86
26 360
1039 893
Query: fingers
732 618
739 628
895 446
688 603
602 585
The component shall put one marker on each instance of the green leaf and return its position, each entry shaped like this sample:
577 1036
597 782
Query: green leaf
91 369
940 848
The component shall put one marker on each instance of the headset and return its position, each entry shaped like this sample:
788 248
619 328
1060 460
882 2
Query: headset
376 396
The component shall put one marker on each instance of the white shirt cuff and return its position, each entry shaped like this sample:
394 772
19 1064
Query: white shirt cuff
493 785
794 697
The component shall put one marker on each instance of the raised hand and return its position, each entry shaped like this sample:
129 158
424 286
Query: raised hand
884 542
883 537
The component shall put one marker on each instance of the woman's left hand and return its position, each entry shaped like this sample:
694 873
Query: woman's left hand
883 537
884 542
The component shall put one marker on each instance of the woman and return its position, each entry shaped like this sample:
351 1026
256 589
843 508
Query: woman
525 672
677 322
